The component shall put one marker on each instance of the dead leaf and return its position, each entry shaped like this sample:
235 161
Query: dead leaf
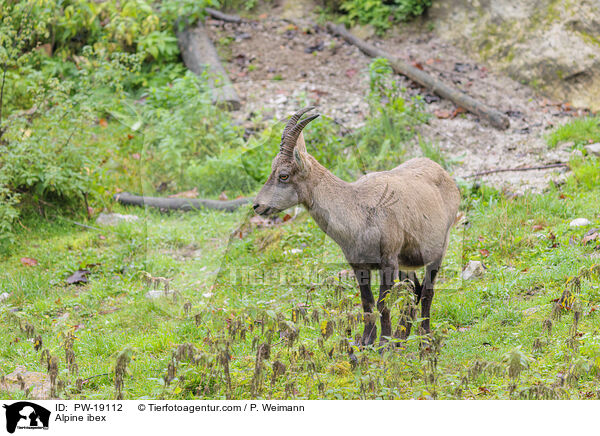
351 72
484 252
430 61
28 261
102 122
457 111
483 390
192 193
287 217
442 114
79 276
417 65
591 235
538 227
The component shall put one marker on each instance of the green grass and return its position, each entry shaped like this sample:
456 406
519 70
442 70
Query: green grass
580 131
224 304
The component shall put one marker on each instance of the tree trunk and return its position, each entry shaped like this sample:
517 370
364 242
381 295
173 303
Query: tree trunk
185 204
199 55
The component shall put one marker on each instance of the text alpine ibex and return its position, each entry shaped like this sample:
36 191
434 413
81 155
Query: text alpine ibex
394 221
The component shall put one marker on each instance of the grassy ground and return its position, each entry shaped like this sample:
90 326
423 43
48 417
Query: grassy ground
267 315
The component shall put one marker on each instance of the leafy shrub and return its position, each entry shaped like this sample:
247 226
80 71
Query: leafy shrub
382 14
191 142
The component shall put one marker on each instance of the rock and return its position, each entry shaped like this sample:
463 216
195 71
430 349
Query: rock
20 379
551 45
579 222
4 296
473 270
112 219
531 310
593 149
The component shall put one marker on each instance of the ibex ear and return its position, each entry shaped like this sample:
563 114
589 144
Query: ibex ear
301 161
300 144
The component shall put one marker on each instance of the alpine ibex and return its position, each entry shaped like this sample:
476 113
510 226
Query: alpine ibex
393 221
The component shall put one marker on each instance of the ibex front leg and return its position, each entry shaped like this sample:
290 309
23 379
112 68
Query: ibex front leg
409 311
363 277
389 273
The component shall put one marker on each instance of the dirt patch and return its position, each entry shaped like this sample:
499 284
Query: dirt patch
278 65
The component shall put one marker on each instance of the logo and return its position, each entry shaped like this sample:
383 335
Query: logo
26 415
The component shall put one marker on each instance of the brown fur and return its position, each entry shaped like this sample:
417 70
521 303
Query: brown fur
392 221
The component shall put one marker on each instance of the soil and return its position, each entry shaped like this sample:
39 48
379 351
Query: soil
278 65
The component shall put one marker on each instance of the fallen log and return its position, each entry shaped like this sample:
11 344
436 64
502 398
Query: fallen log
222 16
185 204
199 55
506 170
496 119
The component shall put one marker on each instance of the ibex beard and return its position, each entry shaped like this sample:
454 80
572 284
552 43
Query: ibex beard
393 221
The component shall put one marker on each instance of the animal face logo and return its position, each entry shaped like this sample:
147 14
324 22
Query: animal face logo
26 415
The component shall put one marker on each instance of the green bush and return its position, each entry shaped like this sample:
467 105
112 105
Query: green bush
382 14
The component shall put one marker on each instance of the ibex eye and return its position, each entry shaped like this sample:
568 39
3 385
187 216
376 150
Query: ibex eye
284 177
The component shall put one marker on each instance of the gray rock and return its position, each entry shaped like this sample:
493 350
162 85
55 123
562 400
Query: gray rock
531 310
474 269
579 222
549 44
112 219
37 383
4 296
593 149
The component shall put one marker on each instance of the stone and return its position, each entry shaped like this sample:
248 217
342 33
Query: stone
552 45
4 296
531 310
37 383
579 222
474 269
593 149
112 219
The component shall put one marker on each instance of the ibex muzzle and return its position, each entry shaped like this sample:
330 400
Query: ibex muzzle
394 221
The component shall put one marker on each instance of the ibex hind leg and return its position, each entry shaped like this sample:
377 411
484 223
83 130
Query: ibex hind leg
363 277
389 274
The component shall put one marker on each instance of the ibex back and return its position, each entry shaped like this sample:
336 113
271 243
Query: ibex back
393 221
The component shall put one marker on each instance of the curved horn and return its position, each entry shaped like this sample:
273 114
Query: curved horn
289 142
293 120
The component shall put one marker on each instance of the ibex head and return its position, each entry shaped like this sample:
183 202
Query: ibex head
286 186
